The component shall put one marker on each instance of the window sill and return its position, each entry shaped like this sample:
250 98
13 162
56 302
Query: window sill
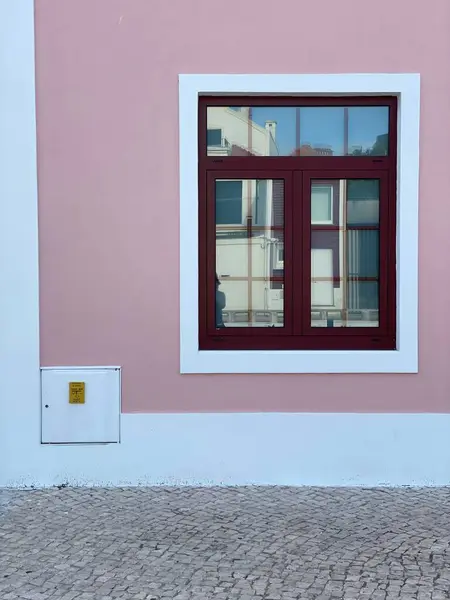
301 361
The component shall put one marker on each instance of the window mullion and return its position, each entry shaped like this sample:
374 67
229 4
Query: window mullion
298 253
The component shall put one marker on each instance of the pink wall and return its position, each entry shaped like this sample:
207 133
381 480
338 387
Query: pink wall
108 183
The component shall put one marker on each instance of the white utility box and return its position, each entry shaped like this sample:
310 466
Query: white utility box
80 405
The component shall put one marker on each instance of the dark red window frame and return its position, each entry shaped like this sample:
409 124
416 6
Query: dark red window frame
297 173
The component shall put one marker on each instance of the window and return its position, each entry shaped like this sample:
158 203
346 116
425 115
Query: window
297 221
214 137
228 198
321 204
364 191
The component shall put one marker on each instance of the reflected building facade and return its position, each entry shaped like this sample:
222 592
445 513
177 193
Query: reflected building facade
250 220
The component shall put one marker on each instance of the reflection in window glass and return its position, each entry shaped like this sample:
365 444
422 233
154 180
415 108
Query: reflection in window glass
250 277
345 258
322 131
321 204
297 131
253 131
363 202
214 137
368 128
229 202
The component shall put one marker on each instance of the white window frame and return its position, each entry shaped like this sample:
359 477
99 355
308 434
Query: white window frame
406 87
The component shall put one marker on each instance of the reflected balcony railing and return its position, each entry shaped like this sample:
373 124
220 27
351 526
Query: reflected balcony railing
344 317
319 318
240 318
224 148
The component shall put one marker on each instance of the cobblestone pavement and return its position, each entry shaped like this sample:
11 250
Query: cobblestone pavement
241 543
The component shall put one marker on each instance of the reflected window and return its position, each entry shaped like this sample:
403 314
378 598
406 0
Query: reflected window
363 202
322 203
214 137
229 201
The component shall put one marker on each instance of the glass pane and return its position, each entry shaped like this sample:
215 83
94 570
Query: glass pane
363 202
322 131
297 131
249 253
345 258
368 128
252 130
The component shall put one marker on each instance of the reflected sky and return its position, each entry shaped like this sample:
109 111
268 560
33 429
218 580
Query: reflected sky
324 126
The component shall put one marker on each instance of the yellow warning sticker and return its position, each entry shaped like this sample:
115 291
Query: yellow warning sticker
76 392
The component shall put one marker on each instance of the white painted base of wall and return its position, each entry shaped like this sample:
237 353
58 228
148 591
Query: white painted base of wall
240 449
